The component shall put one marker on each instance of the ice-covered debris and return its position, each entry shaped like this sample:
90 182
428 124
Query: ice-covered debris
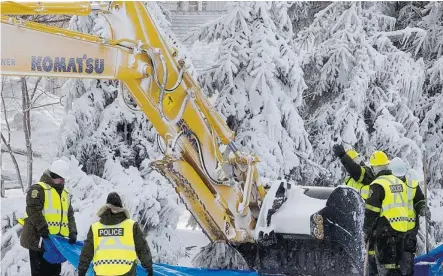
294 217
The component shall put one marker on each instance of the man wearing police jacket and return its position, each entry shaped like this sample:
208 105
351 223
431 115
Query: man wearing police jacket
114 243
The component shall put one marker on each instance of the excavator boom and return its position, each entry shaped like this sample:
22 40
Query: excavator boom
224 194
160 85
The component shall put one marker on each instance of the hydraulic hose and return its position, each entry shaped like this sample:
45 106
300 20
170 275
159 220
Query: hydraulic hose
200 153
164 90
122 96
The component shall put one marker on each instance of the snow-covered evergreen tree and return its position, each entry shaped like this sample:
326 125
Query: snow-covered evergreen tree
432 127
219 256
260 85
359 85
428 16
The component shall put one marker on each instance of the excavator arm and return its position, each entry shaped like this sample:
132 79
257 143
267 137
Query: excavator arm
224 194
163 90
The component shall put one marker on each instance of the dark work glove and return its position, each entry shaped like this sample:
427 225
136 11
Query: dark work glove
72 238
44 233
410 243
339 151
150 272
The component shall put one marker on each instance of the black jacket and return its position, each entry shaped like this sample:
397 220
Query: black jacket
377 195
111 215
36 224
356 171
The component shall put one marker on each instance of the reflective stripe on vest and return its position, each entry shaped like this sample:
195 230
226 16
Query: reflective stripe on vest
395 204
411 191
55 210
362 189
114 248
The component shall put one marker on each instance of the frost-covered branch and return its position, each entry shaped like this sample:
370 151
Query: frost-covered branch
17 168
408 36
5 112
26 109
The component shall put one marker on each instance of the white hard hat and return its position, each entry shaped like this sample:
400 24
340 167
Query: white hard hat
60 167
398 167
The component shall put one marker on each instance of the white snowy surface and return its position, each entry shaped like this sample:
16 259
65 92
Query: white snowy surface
294 217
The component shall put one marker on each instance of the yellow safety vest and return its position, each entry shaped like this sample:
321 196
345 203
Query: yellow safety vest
55 210
411 190
395 204
363 189
114 248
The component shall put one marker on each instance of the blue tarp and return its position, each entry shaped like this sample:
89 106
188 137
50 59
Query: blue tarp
430 264
59 250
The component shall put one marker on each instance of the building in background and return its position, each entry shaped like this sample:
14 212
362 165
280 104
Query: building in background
187 16
194 6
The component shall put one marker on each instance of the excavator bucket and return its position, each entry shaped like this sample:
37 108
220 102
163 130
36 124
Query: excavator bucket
308 231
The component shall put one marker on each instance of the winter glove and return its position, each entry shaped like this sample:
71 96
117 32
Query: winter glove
72 238
150 272
44 233
422 209
410 244
339 151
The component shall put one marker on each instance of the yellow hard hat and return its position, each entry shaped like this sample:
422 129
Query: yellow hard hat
352 153
379 158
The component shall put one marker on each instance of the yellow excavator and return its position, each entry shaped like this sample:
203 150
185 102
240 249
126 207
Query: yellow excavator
278 227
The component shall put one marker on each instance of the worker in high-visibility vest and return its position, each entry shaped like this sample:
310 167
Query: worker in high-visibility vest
416 208
114 243
360 176
48 211
386 215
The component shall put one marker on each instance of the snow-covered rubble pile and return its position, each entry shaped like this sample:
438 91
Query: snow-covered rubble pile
295 214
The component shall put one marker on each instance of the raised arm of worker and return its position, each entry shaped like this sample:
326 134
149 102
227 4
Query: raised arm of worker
87 254
142 249
356 171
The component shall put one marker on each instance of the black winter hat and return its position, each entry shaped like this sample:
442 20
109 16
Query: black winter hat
114 199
